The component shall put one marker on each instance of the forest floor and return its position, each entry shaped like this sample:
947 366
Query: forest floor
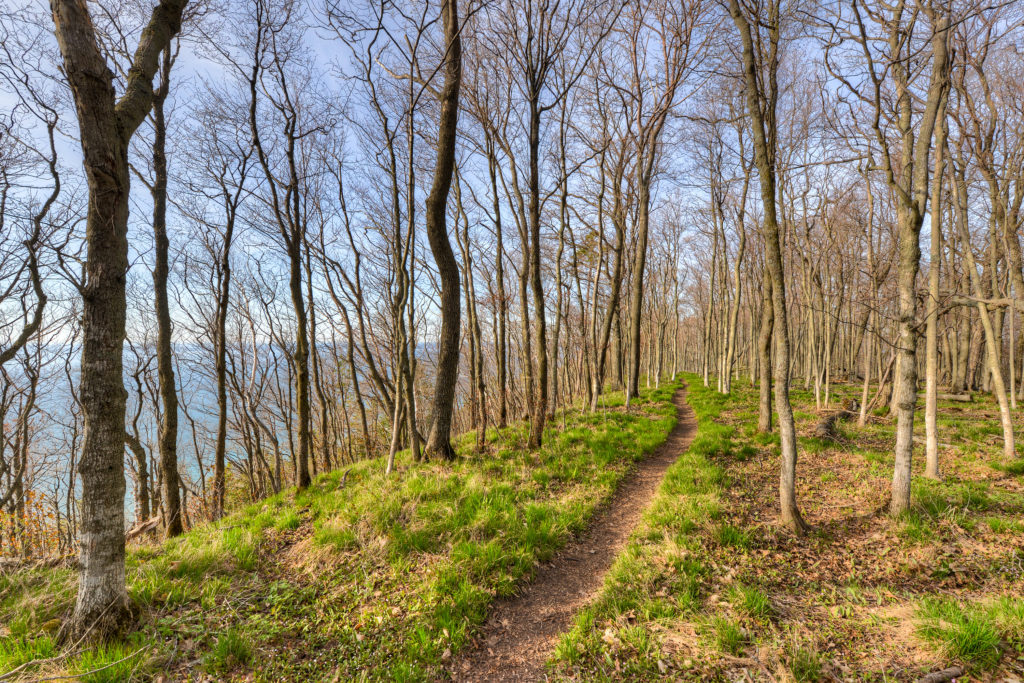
364 577
360 577
710 587
521 632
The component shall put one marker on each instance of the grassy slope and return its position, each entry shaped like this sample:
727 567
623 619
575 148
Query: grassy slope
360 577
709 586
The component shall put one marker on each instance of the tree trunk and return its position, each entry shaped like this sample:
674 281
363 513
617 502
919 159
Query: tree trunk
164 354
912 197
301 360
764 356
540 406
992 338
499 275
105 128
439 442
637 294
759 104
932 322
221 366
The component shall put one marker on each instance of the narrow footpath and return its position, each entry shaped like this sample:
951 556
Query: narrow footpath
521 632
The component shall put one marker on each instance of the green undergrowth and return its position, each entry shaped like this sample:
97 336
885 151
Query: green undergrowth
710 585
974 633
362 576
661 575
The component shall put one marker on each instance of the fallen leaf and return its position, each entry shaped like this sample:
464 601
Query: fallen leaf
610 638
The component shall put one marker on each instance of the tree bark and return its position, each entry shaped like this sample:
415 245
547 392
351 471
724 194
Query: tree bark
499 276
764 356
932 320
439 441
913 197
540 405
106 125
164 354
761 109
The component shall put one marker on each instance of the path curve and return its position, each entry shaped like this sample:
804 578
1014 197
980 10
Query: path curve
522 631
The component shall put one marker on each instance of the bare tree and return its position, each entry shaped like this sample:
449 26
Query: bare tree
439 441
887 57
106 123
760 69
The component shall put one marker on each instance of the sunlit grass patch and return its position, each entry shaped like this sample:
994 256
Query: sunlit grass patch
969 634
724 634
17 651
937 498
1002 525
1014 467
35 599
916 527
814 444
752 601
230 650
110 663
729 535
805 663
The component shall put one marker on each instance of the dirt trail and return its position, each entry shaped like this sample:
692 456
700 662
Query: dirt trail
522 631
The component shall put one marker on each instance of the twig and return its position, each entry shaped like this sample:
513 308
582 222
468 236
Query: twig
89 673
70 652
39 662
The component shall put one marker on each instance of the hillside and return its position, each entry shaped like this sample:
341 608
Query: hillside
412 577
360 577
711 588
367 577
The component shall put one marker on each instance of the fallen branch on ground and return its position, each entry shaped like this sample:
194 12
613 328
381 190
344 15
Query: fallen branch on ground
826 427
943 676
142 528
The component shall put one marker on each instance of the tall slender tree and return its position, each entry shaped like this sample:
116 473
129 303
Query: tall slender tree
106 123
439 441
760 76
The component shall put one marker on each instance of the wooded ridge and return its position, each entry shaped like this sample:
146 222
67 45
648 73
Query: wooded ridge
407 288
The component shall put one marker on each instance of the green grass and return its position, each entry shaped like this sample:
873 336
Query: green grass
752 601
657 579
1015 467
805 664
103 663
110 663
390 574
729 535
1001 525
229 651
966 634
19 650
725 635
937 498
916 528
